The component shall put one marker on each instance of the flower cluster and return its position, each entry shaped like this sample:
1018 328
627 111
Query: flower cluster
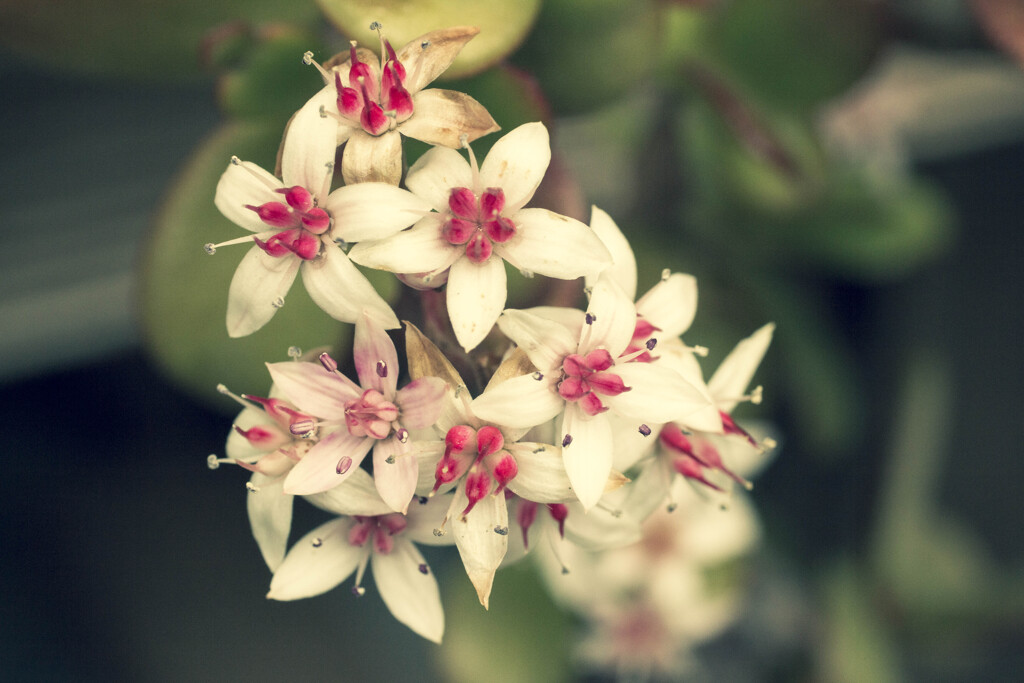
587 416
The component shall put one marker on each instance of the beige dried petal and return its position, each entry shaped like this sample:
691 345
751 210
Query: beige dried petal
516 365
369 158
427 57
424 359
442 117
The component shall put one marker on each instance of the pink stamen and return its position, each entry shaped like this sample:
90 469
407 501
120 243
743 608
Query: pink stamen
526 513
478 485
489 440
559 512
478 248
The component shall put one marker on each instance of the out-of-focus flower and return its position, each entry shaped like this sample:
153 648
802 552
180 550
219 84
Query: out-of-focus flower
479 224
353 418
648 604
372 104
329 554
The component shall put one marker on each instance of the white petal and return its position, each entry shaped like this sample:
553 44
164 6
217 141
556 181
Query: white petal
554 245
734 374
418 250
517 163
427 454
396 480
312 389
240 448
372 159
518 402
270 516
476 295
545 341
613 318
656 394
435 173
588 455
318 469
424 516
307 158
318 562
260 281
623 268
357 495
481 547
541 476
337 287
372 211
375 357
244 184
670 305
601 530
411 594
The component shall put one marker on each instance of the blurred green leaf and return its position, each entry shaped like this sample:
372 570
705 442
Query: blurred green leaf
269 79
523 637
858 646
184 291
588 54
794 54
502 24
152 40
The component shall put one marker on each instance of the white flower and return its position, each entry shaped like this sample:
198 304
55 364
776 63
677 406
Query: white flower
295 223
369 106
329 554
581 371
479 224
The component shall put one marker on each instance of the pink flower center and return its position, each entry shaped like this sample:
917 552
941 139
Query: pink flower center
641 343
370 415
526 514
476 222
584 377
377 102
694 456
489 468
381 529
300 220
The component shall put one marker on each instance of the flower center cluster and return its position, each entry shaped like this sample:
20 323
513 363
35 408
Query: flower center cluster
584 377
482 454
476 221
301 221
370 415
381 528
692 455
526 514
378 104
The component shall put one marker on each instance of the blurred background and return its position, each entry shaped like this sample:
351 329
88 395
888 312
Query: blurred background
850 170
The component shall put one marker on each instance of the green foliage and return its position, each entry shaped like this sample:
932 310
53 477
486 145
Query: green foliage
502 24
152 40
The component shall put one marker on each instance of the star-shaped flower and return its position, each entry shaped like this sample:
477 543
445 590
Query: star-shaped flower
329 554
372 103
479 224
295 222
353 418
583 375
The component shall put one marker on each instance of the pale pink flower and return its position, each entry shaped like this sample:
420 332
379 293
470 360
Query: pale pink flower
370 104
353 418
329 554
479 224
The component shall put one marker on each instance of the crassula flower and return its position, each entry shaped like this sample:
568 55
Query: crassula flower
583 376
484 463
480 223
329 554
715 460
294 222
268 437
372 103
354 418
